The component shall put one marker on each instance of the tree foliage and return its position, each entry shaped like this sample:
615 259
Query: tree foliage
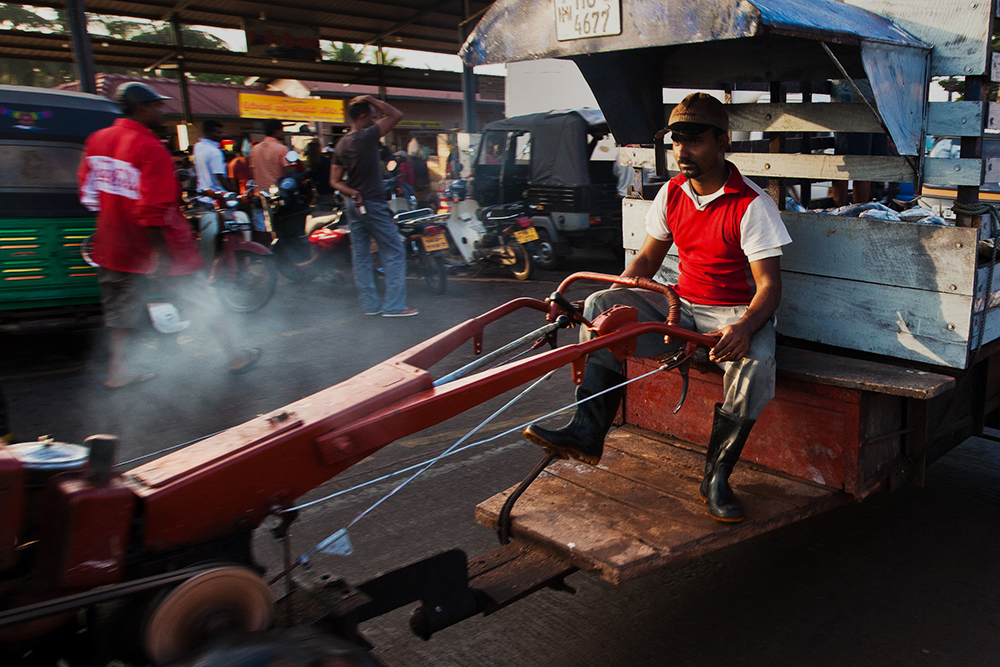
51 74
349 53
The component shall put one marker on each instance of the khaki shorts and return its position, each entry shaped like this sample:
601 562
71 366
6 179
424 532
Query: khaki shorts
123 297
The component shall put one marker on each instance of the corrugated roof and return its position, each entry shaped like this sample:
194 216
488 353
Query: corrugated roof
327 89
423 25
139 55
207 99
222 99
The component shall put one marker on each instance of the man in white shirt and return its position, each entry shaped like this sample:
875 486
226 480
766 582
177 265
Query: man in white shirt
209 162
728 234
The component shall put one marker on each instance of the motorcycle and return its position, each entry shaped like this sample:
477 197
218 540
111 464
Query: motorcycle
303 255
426 246
399 195
499 235
243 271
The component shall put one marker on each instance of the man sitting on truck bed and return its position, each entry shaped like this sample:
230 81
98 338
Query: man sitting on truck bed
729 236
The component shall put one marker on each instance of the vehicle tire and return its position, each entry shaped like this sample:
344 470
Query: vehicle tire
289 265
545 251
523 265
434 272
252 285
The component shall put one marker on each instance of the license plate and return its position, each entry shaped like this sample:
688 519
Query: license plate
374 246
581 19
435 242
526 235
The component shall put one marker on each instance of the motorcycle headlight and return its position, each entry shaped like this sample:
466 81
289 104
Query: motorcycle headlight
273 190
287 183
231 200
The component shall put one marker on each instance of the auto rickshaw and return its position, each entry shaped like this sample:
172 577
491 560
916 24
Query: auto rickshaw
44 281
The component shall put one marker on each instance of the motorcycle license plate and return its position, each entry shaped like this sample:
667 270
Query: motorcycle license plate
435 242
526 235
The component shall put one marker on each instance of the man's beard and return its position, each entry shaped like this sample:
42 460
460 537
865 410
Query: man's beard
690 169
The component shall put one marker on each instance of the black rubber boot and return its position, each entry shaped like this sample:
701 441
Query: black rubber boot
729 434
583 437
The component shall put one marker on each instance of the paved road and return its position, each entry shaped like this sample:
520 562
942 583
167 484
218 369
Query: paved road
903 579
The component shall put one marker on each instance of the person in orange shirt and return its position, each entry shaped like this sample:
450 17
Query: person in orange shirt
267 159
239 172
268 164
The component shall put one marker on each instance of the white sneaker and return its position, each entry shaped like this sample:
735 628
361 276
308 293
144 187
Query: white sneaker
406 312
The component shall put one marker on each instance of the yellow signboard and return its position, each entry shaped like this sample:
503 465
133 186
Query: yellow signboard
291 108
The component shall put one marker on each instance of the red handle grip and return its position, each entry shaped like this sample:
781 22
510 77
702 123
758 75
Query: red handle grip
674 310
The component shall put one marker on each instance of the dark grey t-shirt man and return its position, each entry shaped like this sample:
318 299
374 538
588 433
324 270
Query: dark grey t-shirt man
356 173
358 154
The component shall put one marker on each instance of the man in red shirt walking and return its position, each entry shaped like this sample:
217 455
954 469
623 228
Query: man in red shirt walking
728 234
128 177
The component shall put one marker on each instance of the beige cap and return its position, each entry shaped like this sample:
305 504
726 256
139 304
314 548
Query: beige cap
697 113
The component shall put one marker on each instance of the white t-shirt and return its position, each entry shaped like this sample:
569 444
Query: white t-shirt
209 161
762 233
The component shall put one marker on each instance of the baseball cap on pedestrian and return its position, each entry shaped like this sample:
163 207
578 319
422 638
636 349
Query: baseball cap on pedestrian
132 93
697 113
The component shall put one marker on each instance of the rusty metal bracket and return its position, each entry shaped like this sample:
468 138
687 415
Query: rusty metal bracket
503 521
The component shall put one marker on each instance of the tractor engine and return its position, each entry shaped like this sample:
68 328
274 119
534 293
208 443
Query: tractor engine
64 522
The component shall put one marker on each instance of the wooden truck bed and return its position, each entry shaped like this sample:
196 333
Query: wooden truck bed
639 509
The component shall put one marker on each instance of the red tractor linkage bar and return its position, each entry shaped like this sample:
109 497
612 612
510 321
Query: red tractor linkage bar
253 469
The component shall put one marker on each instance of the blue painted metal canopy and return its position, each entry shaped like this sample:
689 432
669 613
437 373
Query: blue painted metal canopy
894 61
514 30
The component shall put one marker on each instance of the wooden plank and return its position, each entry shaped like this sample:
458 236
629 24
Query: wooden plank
940 171
993 114
838 371
930 327
637 156
647 484
992 331
982 273
992 167
822 117
634 222
959 32
926 257
554 515
955 119
599 519
950 171
686 462
898 322
805 431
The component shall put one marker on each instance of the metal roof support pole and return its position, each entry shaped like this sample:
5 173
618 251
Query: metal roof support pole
972 147
776 186
468 78
805 146
175 25
82 50
390 136
380 59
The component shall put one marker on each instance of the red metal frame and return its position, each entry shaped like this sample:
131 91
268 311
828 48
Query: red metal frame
233 480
